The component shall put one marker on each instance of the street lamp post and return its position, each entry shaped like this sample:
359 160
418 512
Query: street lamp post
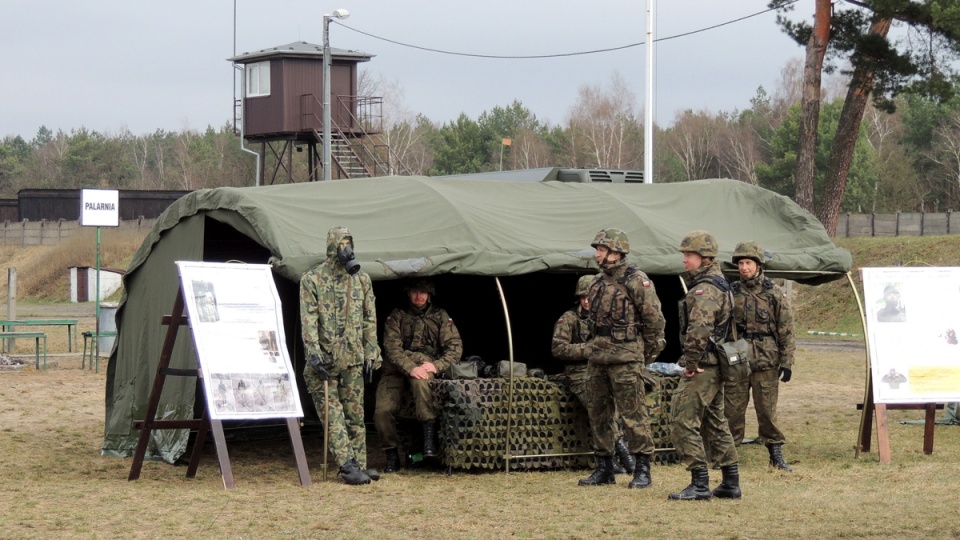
339 14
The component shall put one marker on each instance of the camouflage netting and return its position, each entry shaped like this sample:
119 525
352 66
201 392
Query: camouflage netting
547 419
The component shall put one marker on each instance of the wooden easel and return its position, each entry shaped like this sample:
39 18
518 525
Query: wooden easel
883 428
201 425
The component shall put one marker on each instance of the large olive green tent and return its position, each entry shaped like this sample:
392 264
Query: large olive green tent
533 237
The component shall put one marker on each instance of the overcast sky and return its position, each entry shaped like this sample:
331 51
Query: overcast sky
161 64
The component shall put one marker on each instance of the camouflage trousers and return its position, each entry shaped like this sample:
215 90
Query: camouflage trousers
698 401
347 432
577 377
613 389
765 387
389 396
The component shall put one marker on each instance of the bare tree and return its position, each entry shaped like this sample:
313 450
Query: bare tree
604 128
693 141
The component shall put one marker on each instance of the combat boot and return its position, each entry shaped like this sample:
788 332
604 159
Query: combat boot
624 456
393 461
429 434
641 475
352 475
776 457
698 490
373 474
618 468
729 487
603 476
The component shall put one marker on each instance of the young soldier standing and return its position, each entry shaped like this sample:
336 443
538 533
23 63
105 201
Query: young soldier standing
763 317
705 315
628 332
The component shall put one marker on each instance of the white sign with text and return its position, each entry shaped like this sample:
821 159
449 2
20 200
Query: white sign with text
99 208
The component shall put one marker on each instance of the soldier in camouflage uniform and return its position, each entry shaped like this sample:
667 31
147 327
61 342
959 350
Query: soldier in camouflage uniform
339 320
628 332
705 314
419 342
763 317
570 336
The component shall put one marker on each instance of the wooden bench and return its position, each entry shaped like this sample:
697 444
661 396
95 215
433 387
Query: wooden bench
36 336
89 337
71 324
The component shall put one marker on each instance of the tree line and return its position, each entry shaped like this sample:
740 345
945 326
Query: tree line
904 160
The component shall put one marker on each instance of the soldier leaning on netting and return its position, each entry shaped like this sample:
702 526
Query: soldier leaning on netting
570 336
339 318
628 332
705 312
419 342
764 318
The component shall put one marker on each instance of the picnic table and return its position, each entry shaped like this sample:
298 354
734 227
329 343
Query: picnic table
71 324
34 335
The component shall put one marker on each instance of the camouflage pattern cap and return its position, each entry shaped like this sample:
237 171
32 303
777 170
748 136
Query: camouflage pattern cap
749 250
700 242
584 283
614 239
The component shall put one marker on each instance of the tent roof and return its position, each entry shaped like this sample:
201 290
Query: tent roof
406 225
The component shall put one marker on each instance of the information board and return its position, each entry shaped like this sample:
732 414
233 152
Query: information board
913 316
237 325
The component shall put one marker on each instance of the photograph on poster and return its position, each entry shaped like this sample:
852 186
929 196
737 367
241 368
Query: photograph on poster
237 331
911 315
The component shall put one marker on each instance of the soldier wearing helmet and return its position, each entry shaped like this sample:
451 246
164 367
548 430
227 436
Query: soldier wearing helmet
419 342
570 336
761 311
628 332
705 314
338 314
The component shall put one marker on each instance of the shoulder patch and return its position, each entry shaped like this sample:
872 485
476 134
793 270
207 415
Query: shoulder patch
450 320
645 283
698 292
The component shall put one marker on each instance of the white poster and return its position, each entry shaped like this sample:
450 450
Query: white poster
237 327
913 315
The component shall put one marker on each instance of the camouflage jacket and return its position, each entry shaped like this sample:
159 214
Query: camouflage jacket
704 312
763 315
570 336
338 313
627 316
412 336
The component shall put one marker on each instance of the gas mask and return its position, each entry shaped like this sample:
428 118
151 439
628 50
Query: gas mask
348 259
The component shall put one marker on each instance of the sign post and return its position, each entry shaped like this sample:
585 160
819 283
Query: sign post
99 208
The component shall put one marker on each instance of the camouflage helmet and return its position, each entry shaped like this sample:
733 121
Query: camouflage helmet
748 250
614 239
584 283
700 242
420 284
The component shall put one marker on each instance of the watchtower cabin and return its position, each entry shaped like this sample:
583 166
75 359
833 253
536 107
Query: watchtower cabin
281 108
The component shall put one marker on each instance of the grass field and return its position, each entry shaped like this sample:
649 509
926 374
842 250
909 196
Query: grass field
55 484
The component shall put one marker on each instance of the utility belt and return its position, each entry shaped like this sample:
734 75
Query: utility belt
756 335
619 334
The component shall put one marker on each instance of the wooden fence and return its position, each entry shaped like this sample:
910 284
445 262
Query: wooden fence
35 233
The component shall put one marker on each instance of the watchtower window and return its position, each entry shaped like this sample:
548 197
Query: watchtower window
258 79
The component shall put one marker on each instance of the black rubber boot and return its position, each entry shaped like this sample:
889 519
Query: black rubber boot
729 487
603 476
393 460
776 457
429 434
352 475
624 456
641 475
698 490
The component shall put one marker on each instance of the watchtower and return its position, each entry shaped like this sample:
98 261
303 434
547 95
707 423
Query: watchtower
281 108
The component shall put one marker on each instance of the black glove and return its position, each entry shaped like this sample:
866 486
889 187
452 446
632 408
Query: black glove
785 374
319 367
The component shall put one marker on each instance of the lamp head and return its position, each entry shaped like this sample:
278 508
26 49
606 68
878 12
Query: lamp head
340 14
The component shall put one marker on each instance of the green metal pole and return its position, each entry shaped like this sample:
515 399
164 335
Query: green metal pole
96 337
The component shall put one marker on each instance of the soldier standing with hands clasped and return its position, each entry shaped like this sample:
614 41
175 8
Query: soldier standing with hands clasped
763 317
339 319
705 315
628 332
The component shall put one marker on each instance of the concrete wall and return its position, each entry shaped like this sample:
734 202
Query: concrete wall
35 233
900 224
